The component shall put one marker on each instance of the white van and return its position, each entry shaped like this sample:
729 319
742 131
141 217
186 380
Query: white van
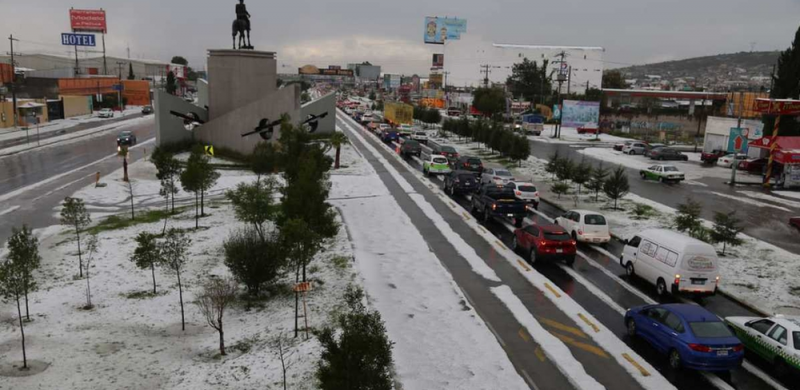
672 261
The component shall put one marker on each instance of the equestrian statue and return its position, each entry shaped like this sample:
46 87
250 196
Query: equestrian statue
241 26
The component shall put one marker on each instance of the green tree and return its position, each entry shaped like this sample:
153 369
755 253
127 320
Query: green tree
613 79
597 180
131 76
173 249
687 218
179 60
372 95
305 196
254 203
565 169
168 171
786 85
301 244
559 188
148 254
264 159
528 80
23 254
520 150
616 186
305 97
172 83
489 100
74 215
553 163
582 174
726 230
92 244
12 286
337 140
357 356
253 260
198 177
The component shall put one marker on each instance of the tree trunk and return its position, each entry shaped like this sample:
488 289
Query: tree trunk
80 260
88 289
180 294
22 331
221 340
296 309
196 216
338 152
153 270
125 169
723 253
130 189
202 204
172 186
166 215
28 313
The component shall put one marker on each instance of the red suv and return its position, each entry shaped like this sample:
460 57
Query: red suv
546 242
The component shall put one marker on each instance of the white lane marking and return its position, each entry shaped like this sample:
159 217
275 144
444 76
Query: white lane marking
8 210
48 180
594 289
61 188
762 375
531 383
716 381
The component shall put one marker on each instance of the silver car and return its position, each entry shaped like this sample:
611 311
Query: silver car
496 176
635 148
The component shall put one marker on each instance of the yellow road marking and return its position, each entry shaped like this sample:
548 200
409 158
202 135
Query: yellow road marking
482 229
452 205
552 290
524 335
590 323
466 216
562 327
500 244
539 354
523 265
635 364
580 345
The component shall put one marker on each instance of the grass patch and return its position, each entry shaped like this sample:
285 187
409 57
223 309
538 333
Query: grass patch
795 291
642 211
313 269
246 344
147 294
341 262
122 221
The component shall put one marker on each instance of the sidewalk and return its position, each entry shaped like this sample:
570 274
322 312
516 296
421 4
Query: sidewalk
46 129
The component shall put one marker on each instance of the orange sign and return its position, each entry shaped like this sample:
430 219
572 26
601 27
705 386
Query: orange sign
777 106
88 20
429 102
302 287
136 92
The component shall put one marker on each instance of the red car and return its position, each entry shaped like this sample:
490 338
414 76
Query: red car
589 130
795 222
545 242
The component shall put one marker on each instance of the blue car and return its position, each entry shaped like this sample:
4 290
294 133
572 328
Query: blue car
390 136
690 335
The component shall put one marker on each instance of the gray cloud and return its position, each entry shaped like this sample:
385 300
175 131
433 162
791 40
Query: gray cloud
390 32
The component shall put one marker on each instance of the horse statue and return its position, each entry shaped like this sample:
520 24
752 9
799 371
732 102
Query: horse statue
240 26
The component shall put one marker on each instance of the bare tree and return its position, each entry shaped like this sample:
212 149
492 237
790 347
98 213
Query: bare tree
217 294
174 250
284 355
74 215
91 249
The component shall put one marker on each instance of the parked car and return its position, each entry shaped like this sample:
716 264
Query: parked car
498 201
496 176
435 164
420 136
105 113
759 166
727 161
469 163
585 226
795 222
712 157
588 130
618 147
526 192
665 153
663 173
775 339
460 182
147 110
125 139
545 242
649 152
366 118
410 148
690 335
389 136
672 261
634 148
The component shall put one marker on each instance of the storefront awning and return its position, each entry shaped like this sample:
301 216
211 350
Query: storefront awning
791 156
783 143
30 105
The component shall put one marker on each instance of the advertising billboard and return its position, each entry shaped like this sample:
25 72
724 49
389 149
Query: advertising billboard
178 70
438 30
88 20
435 80
398 113
580 114
77 39
438 61
738 140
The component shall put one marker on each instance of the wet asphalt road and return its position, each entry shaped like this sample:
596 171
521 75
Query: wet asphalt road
610 280
43 136
765 223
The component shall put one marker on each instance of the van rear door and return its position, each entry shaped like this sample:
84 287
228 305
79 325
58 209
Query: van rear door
699 271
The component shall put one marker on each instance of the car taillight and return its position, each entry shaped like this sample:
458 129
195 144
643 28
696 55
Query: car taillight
700 347
580 232
738 348
717 281
518 193
494 207
677 280
496 178
536 193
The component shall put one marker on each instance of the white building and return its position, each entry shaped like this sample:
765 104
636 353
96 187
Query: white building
465 58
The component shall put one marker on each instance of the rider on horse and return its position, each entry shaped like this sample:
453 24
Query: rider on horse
242 14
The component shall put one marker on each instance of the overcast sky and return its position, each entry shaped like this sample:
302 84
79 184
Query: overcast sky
390 33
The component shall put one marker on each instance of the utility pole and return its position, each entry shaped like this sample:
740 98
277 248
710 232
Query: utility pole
77 67
486 69
446 96
569 79
119 87
560 78
735 152
105 65
13 79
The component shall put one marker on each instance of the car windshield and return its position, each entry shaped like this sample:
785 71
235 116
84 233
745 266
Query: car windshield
796 336
421 133
448 149
500 193
557 236
669 168
474 161
125 134
439 160
525 188
710 329
501 172
594 219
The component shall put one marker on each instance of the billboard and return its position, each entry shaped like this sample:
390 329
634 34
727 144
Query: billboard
438 30
738 140
435 80
580 114
398 113
438 61
178 70
77 39
88 20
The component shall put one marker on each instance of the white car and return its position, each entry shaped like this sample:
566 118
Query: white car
727 161
405 130
663 173
420 136
776 339
105 113
496 176
635 148
585 226
526 192
382 127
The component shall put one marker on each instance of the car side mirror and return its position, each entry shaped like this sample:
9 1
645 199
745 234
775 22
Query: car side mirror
625 242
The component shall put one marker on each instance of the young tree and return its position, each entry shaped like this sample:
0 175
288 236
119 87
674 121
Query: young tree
687 218
174 248
130 195
337 140
255 203
372 95
23 253
581 174
520 150
305 197
91 249
216 295
172 84
565 169
284 355
253 260
131 76
198 177
616 186
559 188
168 173
726 230
12 286
553 163
147 254
359 355
264 159
597 180
74 215
301 244
489 100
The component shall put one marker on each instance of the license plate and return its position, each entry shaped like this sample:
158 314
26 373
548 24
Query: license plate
699 282
722 353
559 251
511 215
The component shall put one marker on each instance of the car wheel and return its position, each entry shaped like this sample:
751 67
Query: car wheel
644 177
631 326
485 215
660 179
781 370
675 359
661 287
631 152
574 236
570 260
532 256
629 270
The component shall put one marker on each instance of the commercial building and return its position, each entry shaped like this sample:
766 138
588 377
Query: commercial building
468 59
53 66
365 72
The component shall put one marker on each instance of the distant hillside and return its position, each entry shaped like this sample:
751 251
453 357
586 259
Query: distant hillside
711 70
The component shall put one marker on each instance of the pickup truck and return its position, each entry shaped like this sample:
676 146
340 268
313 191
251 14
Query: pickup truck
498 201
712 157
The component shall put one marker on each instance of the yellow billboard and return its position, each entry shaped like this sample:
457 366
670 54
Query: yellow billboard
398 113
